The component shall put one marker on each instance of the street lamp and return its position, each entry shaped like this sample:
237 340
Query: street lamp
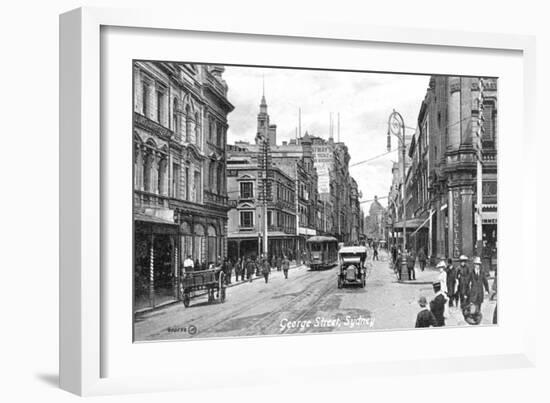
396 126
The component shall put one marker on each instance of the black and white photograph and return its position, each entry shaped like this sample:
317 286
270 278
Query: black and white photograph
272 201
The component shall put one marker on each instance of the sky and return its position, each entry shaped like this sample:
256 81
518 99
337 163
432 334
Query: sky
363 100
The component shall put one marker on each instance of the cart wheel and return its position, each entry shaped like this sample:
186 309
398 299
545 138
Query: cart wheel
186 300
222 295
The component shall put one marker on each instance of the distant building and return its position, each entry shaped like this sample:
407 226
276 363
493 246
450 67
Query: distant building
375 221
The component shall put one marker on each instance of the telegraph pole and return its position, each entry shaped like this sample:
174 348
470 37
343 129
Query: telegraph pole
396 126
479 172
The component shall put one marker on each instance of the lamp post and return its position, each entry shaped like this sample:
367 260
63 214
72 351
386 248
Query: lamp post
396 126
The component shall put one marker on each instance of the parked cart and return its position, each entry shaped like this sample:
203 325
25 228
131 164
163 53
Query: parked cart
212 281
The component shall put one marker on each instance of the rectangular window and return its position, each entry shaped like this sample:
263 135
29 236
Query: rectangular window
246 190
175 180
186 183
145 99
197 186
269 218
247 218
160 106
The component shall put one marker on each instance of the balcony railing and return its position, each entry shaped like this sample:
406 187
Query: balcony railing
148 199
210 197
153 126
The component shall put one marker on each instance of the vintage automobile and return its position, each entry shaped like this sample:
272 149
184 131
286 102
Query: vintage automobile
351 265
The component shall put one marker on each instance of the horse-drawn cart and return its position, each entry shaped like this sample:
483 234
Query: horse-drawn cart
212 281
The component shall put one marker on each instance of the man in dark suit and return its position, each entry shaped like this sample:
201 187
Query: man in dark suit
452 284
424 318
476 285
437 305
462 276
411 260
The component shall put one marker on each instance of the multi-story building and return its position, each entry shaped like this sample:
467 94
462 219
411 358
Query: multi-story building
457 138
246 217
332 163
180 195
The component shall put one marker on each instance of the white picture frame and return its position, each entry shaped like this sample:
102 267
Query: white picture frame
83 306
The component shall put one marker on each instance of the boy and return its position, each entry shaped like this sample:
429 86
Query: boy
424 318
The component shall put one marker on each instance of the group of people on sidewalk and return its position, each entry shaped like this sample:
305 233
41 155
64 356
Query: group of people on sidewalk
464 285
410 258
263 266
245 269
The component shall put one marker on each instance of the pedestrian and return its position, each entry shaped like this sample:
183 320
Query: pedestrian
265 270
239 270
462 276
437 305
393 254
452 283
442 277
411 260
228 270
258 262
250 268
188 264
476 285
398 263
286 265
279 263
374 251
424 318
422 259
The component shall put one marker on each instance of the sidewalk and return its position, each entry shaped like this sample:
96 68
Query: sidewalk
203 293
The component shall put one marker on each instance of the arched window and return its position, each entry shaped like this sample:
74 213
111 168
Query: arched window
187 123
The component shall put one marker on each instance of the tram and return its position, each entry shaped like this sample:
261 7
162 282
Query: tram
322 252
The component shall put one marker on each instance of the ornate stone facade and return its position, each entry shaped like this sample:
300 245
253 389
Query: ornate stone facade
180 194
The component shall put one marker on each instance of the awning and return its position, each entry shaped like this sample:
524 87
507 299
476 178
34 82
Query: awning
412 223
152 219
423 225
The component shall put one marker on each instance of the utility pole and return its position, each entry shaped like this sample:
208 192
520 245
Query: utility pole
264 162
479 172
396 126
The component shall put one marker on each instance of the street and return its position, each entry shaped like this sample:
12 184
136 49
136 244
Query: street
308 302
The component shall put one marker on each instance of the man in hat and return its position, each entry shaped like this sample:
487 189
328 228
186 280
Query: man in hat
462 276
424 318
437 305
452 283
188 264
442 266
422 258
411 260
286 265
476 285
